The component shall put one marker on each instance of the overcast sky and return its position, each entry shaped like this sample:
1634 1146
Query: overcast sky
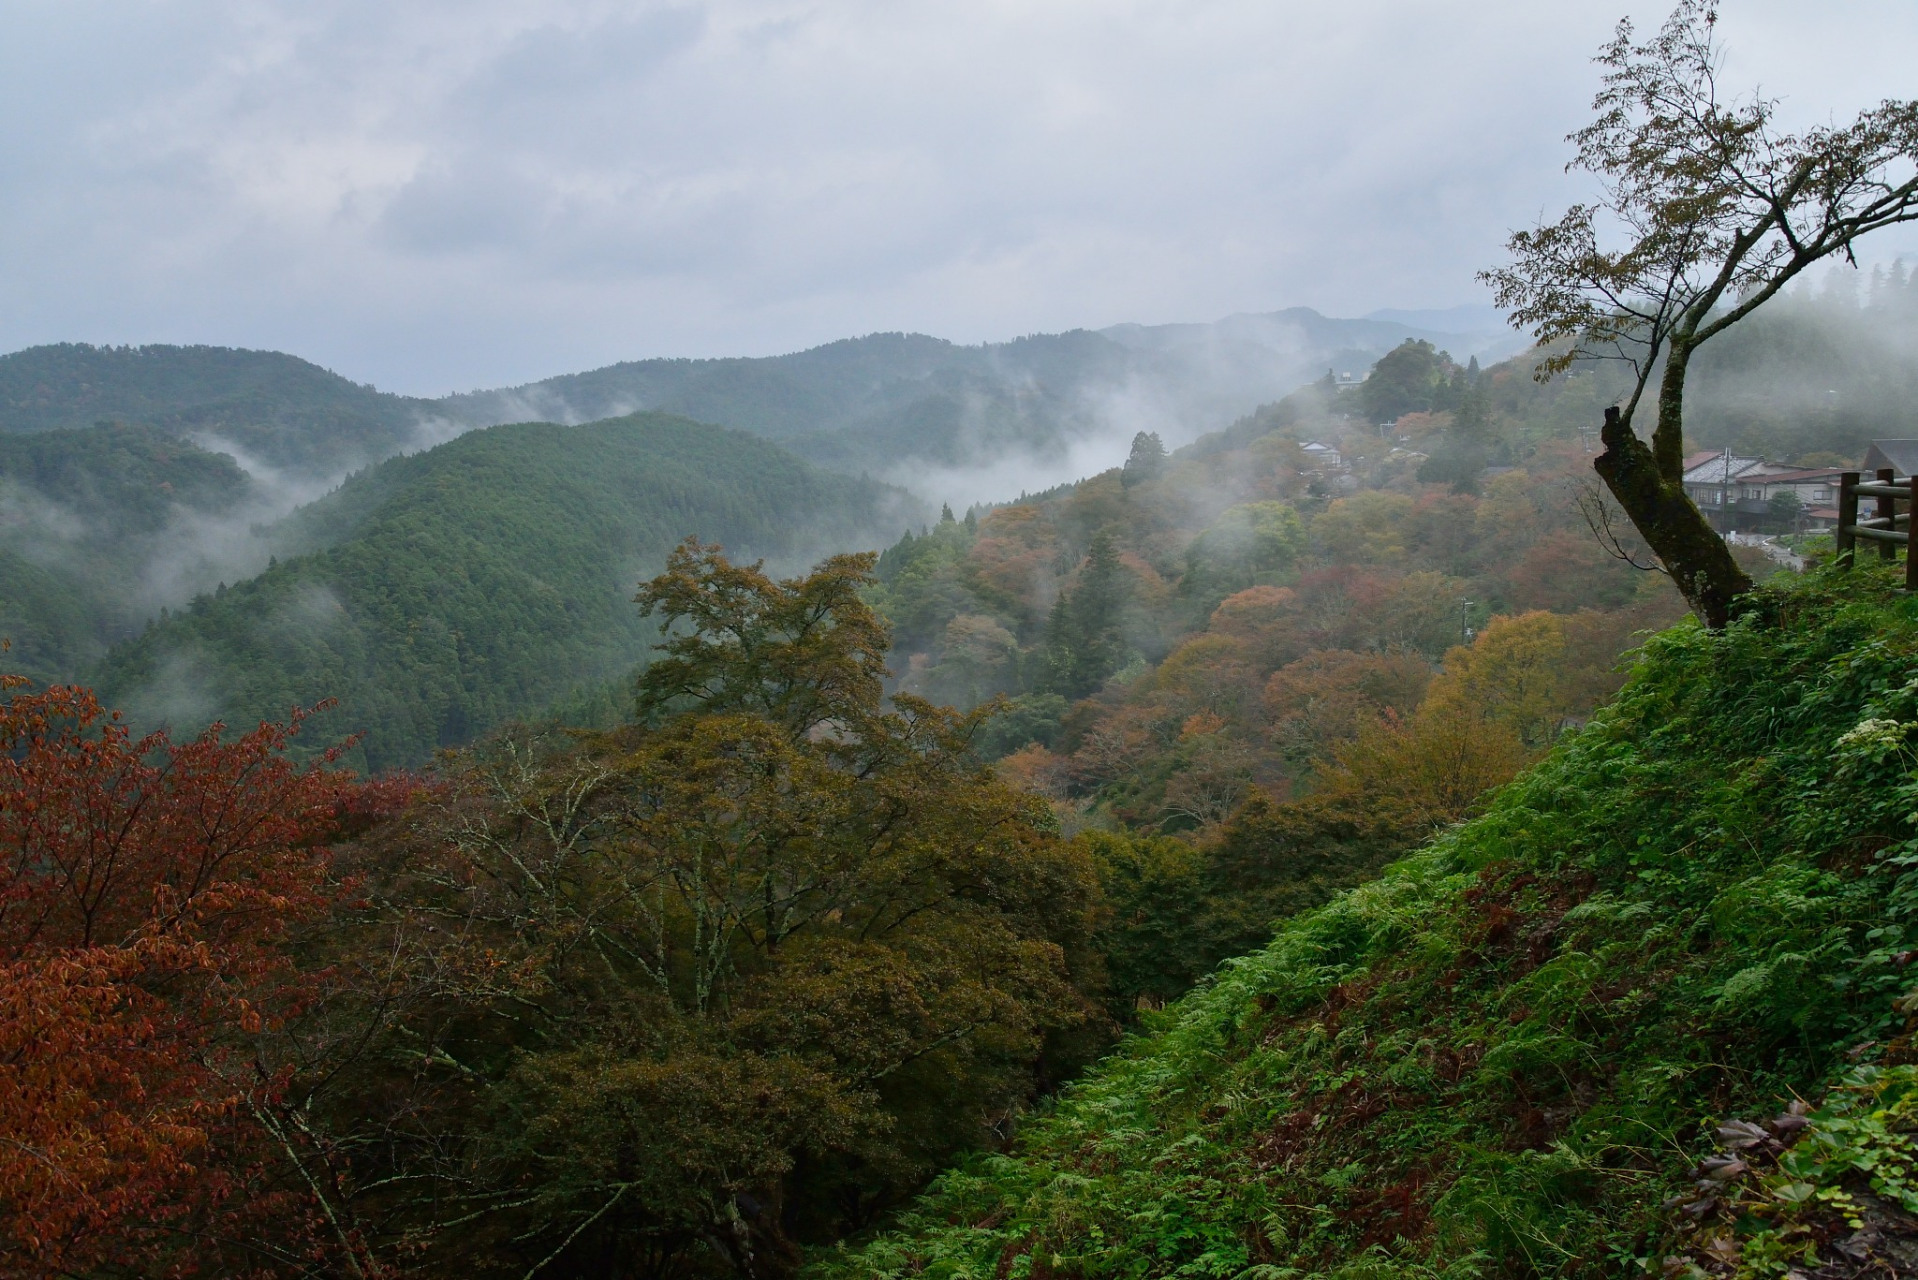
435 196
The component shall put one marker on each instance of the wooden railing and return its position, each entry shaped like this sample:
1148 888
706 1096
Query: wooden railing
1887 526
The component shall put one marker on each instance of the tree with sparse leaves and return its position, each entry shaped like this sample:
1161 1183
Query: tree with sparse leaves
1708 210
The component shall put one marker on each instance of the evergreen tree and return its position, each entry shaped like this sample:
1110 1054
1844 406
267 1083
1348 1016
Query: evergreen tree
1083 645
1402 382
1147 460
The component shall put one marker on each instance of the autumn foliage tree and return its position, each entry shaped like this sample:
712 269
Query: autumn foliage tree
1494 706
148 890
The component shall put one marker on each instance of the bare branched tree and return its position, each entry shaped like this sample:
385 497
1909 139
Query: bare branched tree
1712 211
1602 518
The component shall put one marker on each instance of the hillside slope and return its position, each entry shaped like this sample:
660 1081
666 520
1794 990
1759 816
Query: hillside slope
1510 1054
880 400
476 582
284 411
97 526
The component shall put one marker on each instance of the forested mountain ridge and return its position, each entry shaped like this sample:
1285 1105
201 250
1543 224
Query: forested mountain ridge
93 536
890 403
277 408
293 414
439 594
879 386
1815 364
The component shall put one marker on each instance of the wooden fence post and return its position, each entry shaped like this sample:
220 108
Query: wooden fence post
1847 516
1911 536
1887 511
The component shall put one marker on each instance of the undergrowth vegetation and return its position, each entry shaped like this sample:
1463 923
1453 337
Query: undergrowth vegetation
1510 1053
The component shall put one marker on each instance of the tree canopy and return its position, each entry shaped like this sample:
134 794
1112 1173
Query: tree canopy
680 996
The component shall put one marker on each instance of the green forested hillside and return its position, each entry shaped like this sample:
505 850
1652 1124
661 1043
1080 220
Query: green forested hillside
454 589
89 521
881 400
278 408
1552 1041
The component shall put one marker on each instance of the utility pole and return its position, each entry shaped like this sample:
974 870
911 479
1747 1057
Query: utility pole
1465 621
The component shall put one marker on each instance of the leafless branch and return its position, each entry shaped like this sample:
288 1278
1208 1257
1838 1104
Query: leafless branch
1602 516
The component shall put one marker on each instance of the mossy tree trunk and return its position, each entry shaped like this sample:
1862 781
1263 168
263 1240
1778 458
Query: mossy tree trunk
1648 480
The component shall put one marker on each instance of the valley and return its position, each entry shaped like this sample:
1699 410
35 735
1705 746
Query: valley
811 729
1272 848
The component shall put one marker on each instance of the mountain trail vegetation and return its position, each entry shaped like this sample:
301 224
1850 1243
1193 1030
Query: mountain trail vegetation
1649 1012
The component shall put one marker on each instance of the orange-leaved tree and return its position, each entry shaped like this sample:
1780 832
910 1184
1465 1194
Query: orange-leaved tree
146 890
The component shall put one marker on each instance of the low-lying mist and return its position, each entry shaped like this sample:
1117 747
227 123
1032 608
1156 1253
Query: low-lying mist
1821 370
997 468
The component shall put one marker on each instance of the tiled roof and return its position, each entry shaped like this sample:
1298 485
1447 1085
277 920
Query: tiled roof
1809 473
1900 455
1722 468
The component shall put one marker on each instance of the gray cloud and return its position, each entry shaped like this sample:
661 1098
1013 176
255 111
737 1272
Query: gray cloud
440 195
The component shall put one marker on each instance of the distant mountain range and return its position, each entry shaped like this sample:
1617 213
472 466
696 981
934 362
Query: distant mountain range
894 403
888 404
1198 371
204 532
